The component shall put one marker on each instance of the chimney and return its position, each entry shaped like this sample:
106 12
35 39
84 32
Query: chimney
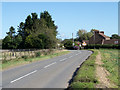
102 32
96 31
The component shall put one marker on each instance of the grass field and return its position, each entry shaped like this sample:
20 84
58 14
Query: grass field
110 60
22 61
85 76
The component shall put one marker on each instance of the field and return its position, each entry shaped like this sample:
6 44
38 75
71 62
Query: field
110 59
86 76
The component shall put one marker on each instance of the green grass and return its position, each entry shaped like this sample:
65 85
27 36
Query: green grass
110 60
79 85
85 76
22 61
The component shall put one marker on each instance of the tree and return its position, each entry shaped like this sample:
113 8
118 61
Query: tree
89 35
6 43
82 35
9 40
34 16
28 26
18 40
0 43
35 32
69 44
21 29
49 22
115 36
33 41
11 32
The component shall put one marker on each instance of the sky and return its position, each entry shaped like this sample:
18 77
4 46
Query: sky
68 16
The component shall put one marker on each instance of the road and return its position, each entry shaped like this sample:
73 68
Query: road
51 73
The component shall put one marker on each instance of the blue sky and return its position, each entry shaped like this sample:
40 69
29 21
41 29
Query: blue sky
68 16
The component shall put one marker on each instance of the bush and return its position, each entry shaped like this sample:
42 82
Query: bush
25 57
50 51
37 54
69 45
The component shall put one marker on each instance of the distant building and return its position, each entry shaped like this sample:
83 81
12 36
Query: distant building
100 38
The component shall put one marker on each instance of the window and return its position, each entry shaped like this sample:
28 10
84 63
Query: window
116 42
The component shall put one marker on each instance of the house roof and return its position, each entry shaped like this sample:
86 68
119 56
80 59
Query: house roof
103 35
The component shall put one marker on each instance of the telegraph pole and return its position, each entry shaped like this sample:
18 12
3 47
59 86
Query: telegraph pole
73 39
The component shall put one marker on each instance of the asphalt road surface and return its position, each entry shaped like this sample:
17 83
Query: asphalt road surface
51 73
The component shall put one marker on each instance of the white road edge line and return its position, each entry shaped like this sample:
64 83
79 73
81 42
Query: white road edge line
63 59
23 76
49 64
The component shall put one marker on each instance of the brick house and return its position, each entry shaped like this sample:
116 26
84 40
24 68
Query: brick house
100 38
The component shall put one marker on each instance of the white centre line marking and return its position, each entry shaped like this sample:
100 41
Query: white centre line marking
49 65
70 56
63 59
23 76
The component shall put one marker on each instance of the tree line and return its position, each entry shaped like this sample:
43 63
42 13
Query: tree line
39 33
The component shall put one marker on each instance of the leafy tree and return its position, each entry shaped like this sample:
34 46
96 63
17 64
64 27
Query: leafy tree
34 16
69 44
51 39
115 36
28 26
9 40
65 40
0 43
18 40
33 41
49 22
34 32
6 43
21 29
84 35
11 32
89 35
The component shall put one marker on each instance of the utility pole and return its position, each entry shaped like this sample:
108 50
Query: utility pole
73 39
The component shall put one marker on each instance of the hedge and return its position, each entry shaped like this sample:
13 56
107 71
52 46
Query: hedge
97 46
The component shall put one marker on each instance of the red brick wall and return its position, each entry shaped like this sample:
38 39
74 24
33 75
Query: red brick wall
98 39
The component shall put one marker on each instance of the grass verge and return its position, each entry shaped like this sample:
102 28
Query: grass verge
85 76
110 60
21 61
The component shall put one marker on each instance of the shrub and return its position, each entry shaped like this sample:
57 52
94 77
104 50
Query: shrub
4 61
69 45
49 51
37 54
25 57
